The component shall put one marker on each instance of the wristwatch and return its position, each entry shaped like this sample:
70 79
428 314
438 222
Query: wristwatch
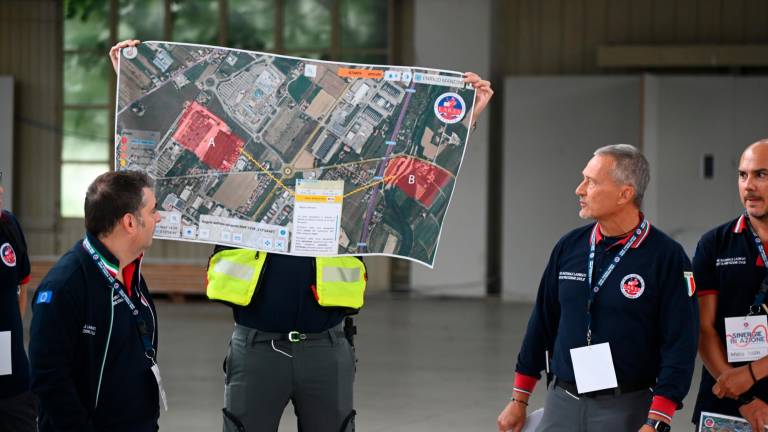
658 425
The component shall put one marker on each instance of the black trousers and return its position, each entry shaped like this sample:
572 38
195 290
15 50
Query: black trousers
18 413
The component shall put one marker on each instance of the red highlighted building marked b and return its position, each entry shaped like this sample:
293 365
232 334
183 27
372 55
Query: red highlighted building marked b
419 180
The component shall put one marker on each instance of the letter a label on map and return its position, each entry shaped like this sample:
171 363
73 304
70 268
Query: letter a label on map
317 217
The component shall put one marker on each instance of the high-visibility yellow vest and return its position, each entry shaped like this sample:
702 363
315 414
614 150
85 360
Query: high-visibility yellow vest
234 276
340 281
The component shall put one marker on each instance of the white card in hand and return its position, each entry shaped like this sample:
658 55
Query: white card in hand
593 367
533 420
5 353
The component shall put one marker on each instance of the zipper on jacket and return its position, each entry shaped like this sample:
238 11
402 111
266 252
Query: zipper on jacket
141 296
106 348
263 270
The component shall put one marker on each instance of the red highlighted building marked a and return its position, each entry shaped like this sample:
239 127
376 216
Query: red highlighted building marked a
208 137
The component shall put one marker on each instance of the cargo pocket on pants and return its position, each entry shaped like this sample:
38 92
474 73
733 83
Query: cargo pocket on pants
225 364
232 423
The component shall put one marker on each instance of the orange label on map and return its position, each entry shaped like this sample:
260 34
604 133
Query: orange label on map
361 73
319 198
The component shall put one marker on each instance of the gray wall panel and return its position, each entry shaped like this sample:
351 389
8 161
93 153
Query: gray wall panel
6 139
552 127
696 116
460 263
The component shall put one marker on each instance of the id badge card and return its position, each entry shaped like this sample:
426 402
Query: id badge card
160 389
745 338
593 367
5 353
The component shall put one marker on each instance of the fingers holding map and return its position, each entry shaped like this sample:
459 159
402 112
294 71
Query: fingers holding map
290 155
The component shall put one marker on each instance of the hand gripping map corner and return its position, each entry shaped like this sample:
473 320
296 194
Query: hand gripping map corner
291 155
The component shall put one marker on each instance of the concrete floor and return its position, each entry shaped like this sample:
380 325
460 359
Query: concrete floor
425 364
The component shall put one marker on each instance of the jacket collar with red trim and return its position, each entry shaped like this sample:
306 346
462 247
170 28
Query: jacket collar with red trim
741 223
598 235
111 262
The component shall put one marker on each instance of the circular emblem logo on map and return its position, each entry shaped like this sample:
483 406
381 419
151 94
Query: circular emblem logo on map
709 422
450 108
632 286
130 52
8 255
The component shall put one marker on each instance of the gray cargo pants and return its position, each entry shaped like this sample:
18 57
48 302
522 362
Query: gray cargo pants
261 378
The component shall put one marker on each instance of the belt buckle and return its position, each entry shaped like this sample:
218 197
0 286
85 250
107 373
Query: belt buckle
294 336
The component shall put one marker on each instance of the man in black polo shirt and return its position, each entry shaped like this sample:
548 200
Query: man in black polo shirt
615 319
17 405
730 269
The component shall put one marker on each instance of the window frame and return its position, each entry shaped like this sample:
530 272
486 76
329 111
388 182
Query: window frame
335 52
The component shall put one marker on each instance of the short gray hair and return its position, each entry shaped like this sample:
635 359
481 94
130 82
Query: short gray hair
631 168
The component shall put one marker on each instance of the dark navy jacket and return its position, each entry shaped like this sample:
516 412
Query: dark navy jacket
77 319
727 264
644 310
14 271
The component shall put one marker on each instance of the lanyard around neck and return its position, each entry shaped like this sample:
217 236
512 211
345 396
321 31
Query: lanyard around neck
594 289
763 290
138 320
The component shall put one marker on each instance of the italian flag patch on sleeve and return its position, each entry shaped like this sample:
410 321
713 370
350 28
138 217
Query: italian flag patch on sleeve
690 283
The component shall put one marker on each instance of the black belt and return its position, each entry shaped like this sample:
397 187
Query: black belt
616 391
254 335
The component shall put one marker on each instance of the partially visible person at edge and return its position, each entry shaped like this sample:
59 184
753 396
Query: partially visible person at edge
93 342
17 404
730 270
615 292
293 334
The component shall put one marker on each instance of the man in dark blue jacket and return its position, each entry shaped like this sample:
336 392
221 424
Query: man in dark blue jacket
615 319
94 334
17 404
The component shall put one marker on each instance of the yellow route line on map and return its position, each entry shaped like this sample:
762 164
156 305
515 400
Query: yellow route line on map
281 184
370 185
261 167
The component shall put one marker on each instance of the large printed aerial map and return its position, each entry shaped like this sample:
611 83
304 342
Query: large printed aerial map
291 155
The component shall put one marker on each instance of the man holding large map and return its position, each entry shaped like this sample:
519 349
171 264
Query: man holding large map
321 160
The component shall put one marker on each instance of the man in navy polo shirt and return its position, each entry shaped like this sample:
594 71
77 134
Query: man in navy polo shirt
93 343
731 272
17 404
615 319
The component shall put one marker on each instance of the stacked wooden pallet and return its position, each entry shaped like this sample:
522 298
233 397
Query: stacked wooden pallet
178 282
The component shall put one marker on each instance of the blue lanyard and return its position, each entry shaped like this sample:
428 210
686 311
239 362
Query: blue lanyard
138 320
591 266
761 293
